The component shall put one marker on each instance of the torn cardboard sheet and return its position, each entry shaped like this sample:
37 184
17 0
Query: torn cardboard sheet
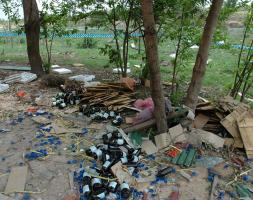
56 129
210 138
17 180
200 121
148 147
176 134
121 174
162 140
41 120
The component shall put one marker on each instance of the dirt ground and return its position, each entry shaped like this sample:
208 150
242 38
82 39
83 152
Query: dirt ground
48 178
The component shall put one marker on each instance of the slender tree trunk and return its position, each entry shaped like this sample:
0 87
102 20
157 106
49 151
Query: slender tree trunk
200 64
153 63
174 82
32 30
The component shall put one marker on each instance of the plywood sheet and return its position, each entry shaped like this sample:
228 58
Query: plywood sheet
246 131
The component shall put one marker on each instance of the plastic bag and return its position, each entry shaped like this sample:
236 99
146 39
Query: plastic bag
4 87
144 104
144 115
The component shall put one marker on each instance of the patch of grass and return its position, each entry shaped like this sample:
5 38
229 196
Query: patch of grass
219 73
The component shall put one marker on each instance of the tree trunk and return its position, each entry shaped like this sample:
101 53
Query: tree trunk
153 63
32 30
201 60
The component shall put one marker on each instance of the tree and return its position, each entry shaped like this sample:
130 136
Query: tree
202 56
243 77
54 21
153 63
32 31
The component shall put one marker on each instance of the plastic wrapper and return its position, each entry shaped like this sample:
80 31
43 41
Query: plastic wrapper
144 104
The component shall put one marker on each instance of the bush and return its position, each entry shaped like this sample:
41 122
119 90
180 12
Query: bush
87 43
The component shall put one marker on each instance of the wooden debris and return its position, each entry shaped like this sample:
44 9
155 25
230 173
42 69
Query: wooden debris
230 121
245 123
173 115
17 180
108 94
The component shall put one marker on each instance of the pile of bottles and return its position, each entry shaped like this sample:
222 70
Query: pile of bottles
101 114
95 188
113 149
62 100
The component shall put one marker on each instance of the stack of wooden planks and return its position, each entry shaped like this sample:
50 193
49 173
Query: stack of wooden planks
111 95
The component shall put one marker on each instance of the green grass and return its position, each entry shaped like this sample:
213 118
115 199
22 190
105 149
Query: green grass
219 73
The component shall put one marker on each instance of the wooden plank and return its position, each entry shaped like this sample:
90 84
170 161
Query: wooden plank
17 179
230 121
246 131
200 121
151 122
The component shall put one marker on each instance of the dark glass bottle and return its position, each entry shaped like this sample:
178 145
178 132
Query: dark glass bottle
125 191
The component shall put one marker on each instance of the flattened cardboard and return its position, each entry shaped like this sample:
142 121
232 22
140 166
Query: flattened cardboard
162 140
176 134
122 175
148 147
200 121
17 180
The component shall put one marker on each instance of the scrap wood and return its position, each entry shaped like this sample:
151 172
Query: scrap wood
151 122
17 180
245 123
230 121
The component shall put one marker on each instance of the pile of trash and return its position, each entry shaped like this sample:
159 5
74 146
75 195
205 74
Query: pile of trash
96 182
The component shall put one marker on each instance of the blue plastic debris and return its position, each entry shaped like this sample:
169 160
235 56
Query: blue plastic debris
36 154
221 195
26 197
71 161
246 178
84 131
